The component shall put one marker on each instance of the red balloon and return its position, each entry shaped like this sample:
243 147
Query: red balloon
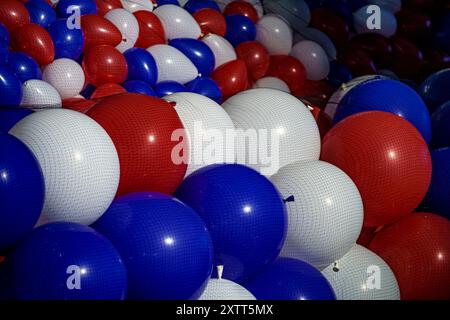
243 8
323 120
413 25
48 1
141 128
434 60
106 90
104 6
256 58
318 92
333 25
387 159
98 30
13 14
211 21
358 61
105 64
78 104
232 78
376 45
408 59
417 249
35 41
290 70
151 30
366 236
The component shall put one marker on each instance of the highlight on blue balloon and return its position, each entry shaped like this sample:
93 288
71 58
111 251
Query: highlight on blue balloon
206 87
434 90
165 88
68 42
141 65
41 13
10 116
198 52
10 88
239 29
24 66
65 8
138 86
193 6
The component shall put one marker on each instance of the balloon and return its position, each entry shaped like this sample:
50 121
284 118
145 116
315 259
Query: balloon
318 92
223 289
104 64
198 52
10 88
442 31
222 49
271 83
239 29
193 6
274 34
256 58
402 173
104 6
22 190
35 41
66 76
363 19
4 34
23 66
106 90
323 121
377 46
139 86
296 12
440 127
407 58
242 8
177 22
414 25
9 117
164 244
137 5
127 25
211 21
206 87
319 37
290 279
358 61
88 90
389 96
433 90
313 58
390 5
231 78
291 123
151 31
234 199
437 199
98 30
288 69
339 74
41 13
433 61
141 65
13 14
164 2
430 254
65 8
78 104
39 94
165 88
60 253
141 128
332 24
351 277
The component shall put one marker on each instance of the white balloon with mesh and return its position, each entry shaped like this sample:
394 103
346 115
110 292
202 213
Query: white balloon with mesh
177 22
66 76
222 49
137 5
273 129
362 275
172 64
271 83
222 289
325 211
128 26
314 59
275 34
39 95
78 160
210 131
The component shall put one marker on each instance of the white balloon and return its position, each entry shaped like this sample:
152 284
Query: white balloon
40 95
296 12
314 59
355 276
271 83
207 126
137 5
66 76
283 126
275 34
177 22
79 162
325 211
222 289
319 37
388 22
128 26
172 64
222 49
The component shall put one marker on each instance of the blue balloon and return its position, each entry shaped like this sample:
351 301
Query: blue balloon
239 29
437 199
442 31
66 261
244 213
4 34
10 88
68 42
41 13
193 6
389 96
4 52
290 279
141 65
339 74
206 87
88 91
24 66
165 246
21 190
85 6
435 89
163 2
198 52
10 116
440 125
165 88
138 86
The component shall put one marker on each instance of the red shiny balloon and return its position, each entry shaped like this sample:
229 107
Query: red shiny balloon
256 58
35 41
413 25
358 61
151 30
106 90
387 159
417 249
13 14
211 21
366 236
377 46
333 25
98 30
407 58
290 70
78 104
105 64
243 8
231 77
104 6
141 128
318 92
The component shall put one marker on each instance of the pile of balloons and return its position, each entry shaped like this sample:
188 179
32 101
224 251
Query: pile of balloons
118 181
